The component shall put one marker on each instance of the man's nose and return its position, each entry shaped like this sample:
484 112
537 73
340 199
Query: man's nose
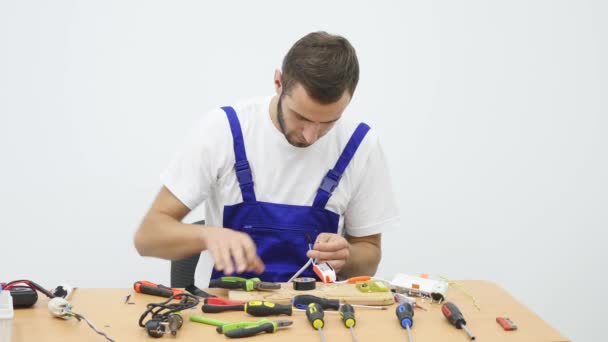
311 132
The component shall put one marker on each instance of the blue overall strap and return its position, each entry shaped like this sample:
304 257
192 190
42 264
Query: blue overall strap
331 180
241 165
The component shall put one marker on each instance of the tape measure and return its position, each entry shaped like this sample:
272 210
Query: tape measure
304 284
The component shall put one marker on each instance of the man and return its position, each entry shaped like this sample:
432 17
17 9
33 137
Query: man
261 167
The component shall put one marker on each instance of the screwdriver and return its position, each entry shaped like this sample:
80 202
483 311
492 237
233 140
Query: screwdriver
405 315
347 314
455 317
146 287
314 313
302 301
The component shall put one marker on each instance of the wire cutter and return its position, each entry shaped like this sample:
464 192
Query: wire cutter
243 329
243 284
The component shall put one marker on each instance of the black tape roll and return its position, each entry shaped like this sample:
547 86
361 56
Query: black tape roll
304 284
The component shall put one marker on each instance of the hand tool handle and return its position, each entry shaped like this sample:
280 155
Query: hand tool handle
262 309
405 314
238 325
347 314
208 308
314 313
221 301
231 283
250 331
302 301
354 280
143 287
205 320
454 316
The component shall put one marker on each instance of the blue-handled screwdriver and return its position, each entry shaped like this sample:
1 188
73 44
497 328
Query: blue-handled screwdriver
405 315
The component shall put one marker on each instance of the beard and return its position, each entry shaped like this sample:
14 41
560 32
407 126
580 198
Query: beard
281 119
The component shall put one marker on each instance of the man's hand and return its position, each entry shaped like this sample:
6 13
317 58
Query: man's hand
330 248
232 251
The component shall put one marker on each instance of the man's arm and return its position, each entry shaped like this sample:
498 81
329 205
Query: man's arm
161 234
365 253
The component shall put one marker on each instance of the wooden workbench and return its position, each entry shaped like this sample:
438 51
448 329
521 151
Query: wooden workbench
106 309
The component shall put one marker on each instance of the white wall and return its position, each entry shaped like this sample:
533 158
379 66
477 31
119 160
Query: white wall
493 117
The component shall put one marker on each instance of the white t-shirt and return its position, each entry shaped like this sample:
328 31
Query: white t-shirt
203 171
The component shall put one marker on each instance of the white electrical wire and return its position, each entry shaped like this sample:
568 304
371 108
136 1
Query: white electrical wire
61 308
308 263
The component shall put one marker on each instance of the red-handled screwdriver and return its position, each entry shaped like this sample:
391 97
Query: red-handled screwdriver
455 317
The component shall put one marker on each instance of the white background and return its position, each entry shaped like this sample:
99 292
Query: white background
492 114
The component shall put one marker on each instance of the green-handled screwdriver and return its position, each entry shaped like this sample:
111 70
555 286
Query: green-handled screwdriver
347 314
405 315
314 313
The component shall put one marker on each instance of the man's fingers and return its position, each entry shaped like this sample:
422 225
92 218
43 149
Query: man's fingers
238 254
333 255
215 255
225 255
336 264
258 265
332 245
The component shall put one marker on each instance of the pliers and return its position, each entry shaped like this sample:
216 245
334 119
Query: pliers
243 284
254 308
243 329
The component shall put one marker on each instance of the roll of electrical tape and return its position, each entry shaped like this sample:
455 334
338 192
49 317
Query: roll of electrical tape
304 284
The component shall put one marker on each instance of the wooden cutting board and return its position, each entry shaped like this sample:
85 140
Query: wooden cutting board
346 293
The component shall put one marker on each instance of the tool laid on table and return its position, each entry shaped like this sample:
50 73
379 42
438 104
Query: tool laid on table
354 280
302 301
506 323
455 317
405 315
243 329
250 284
314 313
150 288
147 287
254 308
166 315
347 314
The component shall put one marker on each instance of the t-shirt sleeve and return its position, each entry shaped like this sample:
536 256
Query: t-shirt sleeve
194 170
372 208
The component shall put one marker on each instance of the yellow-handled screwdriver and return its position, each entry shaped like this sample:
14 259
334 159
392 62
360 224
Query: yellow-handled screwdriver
314 313
347 314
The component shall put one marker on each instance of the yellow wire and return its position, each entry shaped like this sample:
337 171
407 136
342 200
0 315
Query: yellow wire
463 290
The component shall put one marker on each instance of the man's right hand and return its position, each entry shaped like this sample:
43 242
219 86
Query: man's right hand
227 245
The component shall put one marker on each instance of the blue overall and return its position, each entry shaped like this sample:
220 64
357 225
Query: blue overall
282 232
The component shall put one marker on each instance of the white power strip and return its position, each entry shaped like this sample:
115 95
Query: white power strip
437 290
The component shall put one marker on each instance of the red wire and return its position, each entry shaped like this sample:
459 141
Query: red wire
30 284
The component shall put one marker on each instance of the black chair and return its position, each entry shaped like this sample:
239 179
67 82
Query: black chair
182 271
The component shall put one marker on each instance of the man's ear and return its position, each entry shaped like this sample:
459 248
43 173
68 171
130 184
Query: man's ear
278 81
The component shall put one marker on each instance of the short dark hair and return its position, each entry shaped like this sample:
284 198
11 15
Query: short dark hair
324 64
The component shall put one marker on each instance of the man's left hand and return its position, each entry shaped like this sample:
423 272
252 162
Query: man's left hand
330 248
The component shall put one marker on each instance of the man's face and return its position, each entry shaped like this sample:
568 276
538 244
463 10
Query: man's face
303 120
